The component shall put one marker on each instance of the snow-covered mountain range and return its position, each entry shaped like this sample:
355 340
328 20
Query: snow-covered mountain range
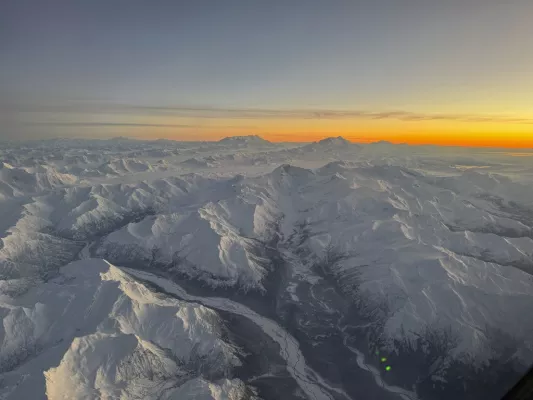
245 269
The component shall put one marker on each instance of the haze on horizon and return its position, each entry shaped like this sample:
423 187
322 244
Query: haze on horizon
415 71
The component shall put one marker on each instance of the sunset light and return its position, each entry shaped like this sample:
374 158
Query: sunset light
266 199
430 72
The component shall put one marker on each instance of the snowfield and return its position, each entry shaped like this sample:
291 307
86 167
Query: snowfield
127 266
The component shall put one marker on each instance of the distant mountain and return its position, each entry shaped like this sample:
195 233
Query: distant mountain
329 144
244 140
336 141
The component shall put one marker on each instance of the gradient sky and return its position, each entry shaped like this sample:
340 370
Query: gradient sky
417 71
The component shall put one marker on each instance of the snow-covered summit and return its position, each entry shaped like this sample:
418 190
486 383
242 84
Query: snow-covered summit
331 145
249 140
334 141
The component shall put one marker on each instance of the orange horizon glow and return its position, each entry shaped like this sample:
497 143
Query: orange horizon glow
413 140
439 133
495 132
419 141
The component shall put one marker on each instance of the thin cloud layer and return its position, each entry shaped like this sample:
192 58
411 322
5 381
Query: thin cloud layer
252 113
128 124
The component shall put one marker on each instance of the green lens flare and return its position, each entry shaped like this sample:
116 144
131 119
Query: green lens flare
388 368
383 359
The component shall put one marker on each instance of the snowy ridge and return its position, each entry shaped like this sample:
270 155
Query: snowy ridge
210 247
19 181
334 141
251 140
331 145
398 226
113 337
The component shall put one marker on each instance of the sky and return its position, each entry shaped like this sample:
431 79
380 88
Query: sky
454 72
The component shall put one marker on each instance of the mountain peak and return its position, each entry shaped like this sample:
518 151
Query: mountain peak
339 140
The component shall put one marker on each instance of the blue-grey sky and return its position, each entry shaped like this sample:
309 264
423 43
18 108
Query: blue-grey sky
76 62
